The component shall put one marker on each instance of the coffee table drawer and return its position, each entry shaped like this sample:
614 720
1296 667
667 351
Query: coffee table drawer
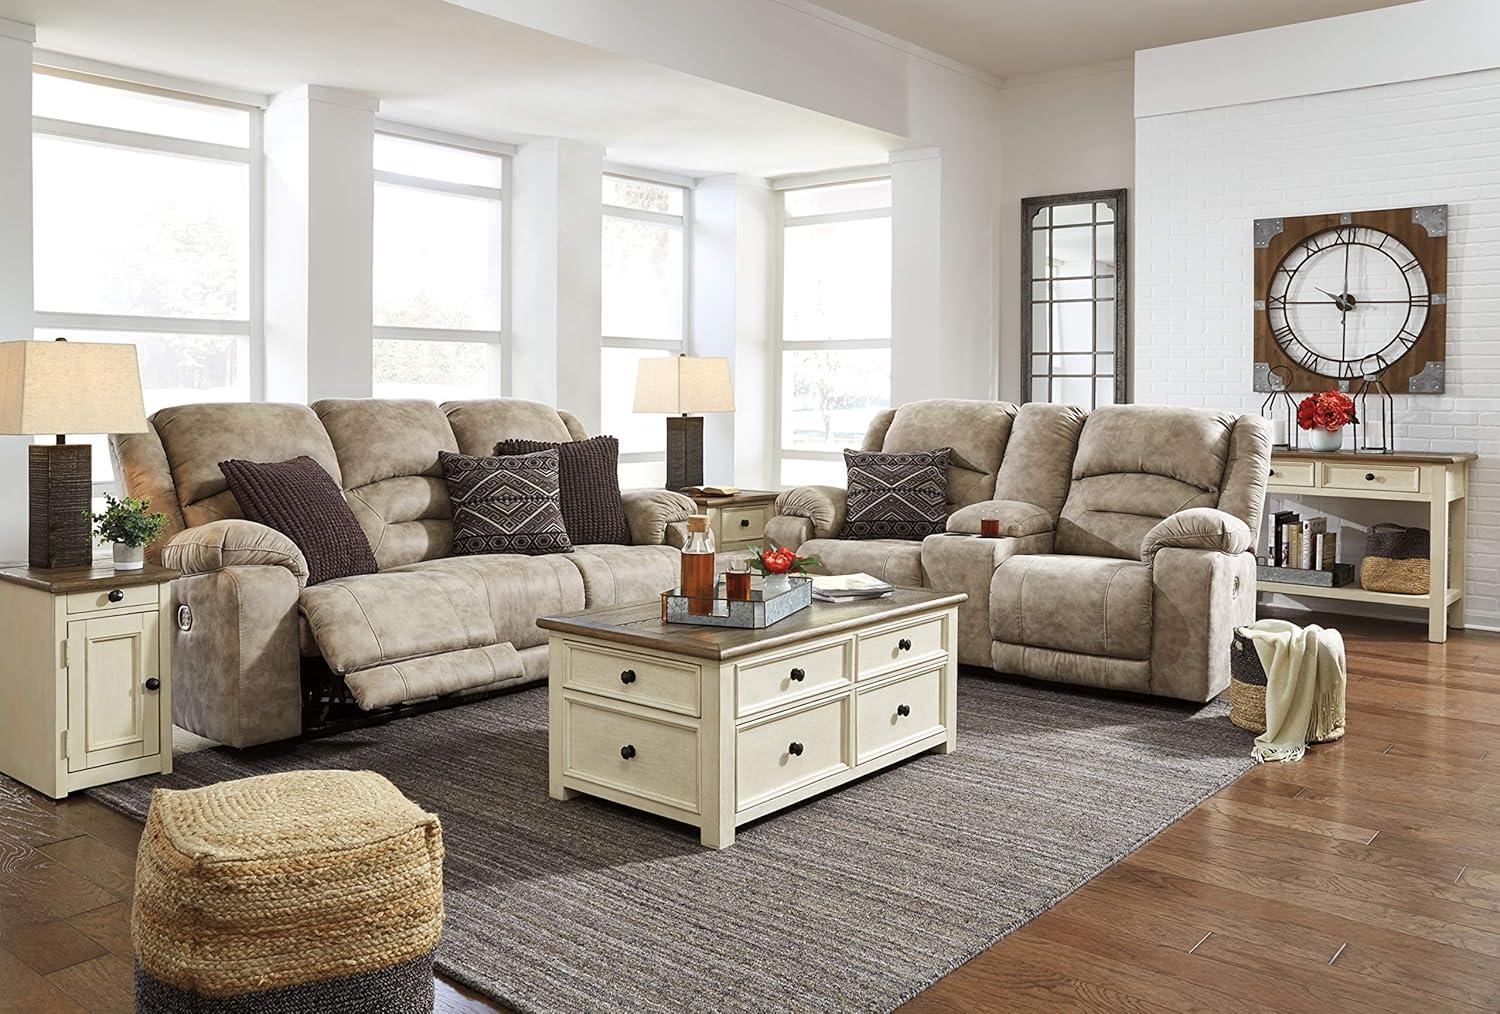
900 646
1355 475
656 760
785 753
629 677
894 714
792 677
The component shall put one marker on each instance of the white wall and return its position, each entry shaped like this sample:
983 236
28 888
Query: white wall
16 292
1203 175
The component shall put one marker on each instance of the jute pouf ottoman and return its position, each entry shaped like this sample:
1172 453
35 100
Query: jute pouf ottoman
309 891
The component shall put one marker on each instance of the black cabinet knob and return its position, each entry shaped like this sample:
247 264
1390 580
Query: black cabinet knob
794 748
1272 472
628 676
116 595
903 710
744 522
1369 477
904 644
627 752
798 675
153 684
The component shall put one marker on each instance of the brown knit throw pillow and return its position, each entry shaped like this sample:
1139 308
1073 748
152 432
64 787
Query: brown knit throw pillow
589 481
301 500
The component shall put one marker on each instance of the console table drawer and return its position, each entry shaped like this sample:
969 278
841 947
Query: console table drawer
894 714
642 756
779 755
1357 475
898 646
1292 473
764 685
630 677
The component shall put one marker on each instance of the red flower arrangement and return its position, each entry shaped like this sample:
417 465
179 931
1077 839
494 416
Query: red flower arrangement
1325 410
781 561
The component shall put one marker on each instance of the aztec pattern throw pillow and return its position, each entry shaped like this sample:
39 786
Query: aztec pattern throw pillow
896 496
589 484
505 504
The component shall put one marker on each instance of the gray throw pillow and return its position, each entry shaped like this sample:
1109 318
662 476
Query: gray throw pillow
896 496
507 503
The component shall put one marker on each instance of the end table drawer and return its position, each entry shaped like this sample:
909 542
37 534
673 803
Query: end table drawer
803 674
788 752
1292 473
113 598
1354 475
743 524
656 760
891 715
638 678
899 646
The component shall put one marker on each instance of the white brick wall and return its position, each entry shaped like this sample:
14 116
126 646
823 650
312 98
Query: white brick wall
1203 177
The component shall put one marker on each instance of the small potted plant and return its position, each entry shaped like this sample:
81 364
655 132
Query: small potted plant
129 525
1324 415
776 563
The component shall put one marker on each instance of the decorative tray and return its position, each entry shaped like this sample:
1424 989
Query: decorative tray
753 613
1340 575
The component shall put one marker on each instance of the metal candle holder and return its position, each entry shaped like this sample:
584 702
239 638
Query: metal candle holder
1372 390
1280 399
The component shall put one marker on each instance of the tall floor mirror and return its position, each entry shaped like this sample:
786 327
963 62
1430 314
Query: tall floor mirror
1073 294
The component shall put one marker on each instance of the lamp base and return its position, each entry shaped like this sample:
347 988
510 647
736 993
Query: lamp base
684 451
61 487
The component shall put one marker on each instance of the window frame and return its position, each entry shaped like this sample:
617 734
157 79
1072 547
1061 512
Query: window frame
684 222
497 347
779 343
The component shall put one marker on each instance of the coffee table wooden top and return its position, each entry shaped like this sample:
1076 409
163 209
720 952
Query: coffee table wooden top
640 625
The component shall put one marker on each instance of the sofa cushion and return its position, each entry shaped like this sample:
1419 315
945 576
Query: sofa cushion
516 589
976 432
898 561
1038 466
1090 605
616 575
506 503
896 496
480 424
302 501
589 487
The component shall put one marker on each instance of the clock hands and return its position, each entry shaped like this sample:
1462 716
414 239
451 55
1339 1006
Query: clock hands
1344 302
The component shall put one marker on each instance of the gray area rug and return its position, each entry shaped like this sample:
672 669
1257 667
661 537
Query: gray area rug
856 900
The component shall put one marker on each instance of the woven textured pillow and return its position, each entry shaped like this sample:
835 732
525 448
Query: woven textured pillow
588 487
896 496
505 504
301 500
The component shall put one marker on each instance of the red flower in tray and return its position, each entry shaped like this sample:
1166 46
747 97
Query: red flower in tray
773 560
1325 410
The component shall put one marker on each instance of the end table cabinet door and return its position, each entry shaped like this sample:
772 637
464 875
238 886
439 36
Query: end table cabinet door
112 715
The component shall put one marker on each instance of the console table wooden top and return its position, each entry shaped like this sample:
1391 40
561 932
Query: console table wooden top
1376 458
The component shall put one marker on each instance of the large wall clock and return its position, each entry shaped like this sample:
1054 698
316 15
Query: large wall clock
1345 297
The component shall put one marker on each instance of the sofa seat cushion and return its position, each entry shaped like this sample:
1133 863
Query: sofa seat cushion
1087 604
515 589
898 561
616 575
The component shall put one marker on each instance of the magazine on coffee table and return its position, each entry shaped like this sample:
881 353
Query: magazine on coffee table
848 587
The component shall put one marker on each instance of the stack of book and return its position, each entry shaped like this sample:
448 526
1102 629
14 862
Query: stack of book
849 587
1305 544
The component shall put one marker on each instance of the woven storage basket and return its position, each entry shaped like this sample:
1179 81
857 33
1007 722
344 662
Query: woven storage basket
309 891
1247 685
1396 560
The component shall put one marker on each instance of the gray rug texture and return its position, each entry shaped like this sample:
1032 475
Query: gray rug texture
853 901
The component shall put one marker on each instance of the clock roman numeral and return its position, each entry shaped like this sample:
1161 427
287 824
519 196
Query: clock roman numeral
1413 263
1276 301
1309 360
1421 299
1407 339
1282 333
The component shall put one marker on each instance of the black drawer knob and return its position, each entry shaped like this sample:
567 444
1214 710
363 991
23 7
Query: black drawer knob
628 676
153 684
1271 472
904 644
116 595
1369 477
744 522
903 710
798 675
794 748
627 752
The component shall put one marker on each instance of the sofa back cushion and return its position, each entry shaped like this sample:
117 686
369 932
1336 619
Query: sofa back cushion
1135 465
388 453
481 424
976 433
1038 465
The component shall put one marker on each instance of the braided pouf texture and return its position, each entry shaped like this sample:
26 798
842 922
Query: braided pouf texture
263 888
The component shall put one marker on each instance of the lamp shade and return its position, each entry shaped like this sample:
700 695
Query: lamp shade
683 384
70 387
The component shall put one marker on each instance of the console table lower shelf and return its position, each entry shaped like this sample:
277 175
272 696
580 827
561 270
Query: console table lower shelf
716 727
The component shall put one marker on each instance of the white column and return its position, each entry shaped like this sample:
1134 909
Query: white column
319 145
16 291
556 232
916 275
733 308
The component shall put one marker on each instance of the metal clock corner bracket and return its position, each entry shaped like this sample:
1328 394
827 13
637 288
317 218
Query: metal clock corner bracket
1267 229
1432 380
1433 218
1260 304
1265 383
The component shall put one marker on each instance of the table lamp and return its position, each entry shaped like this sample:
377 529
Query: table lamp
66 387
678 386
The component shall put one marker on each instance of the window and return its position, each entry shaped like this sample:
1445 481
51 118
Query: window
439 281
644 286
145 222
835 349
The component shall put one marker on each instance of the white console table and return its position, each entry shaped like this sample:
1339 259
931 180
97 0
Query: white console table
1439 480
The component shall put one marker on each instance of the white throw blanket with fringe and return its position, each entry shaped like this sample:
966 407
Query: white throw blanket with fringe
1305 680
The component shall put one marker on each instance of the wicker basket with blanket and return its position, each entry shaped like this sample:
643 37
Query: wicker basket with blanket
1396 560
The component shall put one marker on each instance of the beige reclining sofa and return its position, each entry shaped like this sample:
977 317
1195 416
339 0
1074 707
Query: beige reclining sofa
1125 560
427 625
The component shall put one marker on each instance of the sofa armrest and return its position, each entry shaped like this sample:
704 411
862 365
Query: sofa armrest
233 542
1202 528
650 512
1017 518
822 505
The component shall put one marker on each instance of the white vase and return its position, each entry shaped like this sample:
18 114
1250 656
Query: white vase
775 584
1325 440
129 557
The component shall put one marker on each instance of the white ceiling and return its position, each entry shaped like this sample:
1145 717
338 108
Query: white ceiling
1013 37
439 65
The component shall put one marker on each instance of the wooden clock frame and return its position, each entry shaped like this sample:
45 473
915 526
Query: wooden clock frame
1424 231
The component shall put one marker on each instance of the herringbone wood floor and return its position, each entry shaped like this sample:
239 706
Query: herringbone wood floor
1365 877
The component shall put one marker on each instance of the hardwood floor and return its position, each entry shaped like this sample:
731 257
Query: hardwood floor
1365 877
